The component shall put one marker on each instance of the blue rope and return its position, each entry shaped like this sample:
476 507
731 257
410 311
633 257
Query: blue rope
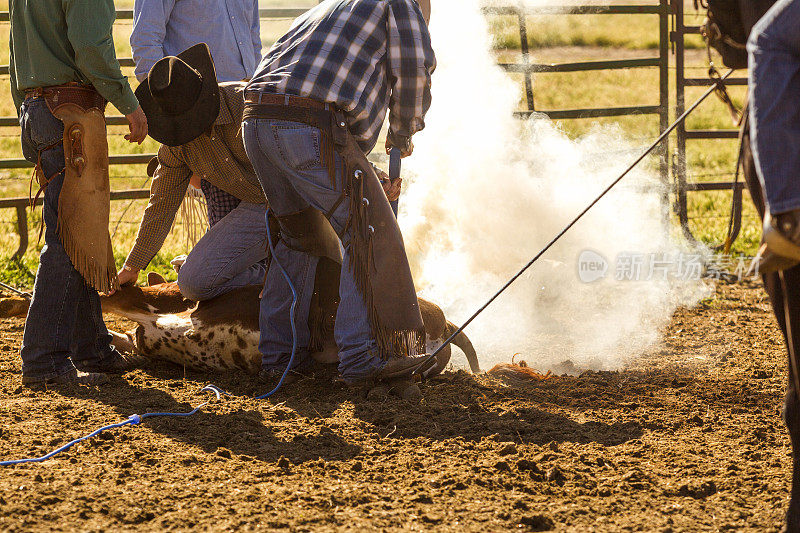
137 419
131 420
291 315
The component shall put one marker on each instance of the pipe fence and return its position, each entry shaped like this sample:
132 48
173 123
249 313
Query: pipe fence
526 67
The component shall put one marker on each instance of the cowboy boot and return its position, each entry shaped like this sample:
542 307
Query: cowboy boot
113 363
766 262
782 234
403 367
72 377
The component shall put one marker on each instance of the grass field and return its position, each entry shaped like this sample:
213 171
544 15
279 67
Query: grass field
552 39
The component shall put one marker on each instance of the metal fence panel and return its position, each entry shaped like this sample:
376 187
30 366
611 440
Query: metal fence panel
526 68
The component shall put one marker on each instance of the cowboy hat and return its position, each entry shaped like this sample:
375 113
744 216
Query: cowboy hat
180 96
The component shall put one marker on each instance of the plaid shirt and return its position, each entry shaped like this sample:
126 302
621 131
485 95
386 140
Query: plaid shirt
218 158
218 202
364 56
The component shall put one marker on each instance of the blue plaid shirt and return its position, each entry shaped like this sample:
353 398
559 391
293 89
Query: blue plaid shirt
230 28
365 56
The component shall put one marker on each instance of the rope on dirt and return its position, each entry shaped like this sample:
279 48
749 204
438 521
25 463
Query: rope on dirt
24 294
133 420
137 419
565 229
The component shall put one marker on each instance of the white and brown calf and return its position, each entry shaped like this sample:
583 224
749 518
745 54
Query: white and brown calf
223 333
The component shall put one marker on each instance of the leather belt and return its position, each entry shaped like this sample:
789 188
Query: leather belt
262 98
85 96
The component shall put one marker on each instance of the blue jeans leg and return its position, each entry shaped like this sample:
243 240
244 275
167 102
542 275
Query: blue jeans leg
276 329
92 341
229 256
774 50
55 326
286 157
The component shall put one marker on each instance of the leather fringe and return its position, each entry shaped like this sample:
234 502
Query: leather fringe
391 343
194 213
102 278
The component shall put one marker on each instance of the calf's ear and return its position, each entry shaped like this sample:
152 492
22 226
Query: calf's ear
154 278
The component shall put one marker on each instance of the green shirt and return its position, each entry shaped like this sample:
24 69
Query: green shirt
58 41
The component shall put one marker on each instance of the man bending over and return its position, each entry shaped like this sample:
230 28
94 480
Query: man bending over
315 107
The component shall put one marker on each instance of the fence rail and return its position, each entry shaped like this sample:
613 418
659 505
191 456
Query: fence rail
526 67
21 205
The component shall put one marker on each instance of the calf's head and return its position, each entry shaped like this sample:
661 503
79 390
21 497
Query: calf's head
141 303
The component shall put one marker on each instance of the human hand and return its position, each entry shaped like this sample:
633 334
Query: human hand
404 153
127 276
137 124
391 188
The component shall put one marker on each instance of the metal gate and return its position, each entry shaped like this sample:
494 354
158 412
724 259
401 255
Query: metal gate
662 10
679 165
527 68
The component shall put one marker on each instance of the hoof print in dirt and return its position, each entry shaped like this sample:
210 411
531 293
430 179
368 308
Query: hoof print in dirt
536 522
526 465
502 466
509 448
695 489
406 390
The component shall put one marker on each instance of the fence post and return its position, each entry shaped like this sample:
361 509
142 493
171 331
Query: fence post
679 161
663 89
523 43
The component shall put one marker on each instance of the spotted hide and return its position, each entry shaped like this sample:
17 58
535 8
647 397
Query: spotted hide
222 333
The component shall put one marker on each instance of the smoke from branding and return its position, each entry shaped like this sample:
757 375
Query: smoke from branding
486 191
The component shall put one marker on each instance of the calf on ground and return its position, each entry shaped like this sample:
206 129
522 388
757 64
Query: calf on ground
223 333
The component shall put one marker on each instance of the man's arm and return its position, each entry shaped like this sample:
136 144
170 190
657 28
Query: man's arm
255 31
149 29
89 26
170 181
411 63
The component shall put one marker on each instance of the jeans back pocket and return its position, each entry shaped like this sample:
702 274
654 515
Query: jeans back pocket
299 146
45 128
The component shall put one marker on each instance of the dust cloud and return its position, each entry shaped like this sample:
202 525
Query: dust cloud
484 192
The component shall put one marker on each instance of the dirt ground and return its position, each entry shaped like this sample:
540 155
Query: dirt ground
687 438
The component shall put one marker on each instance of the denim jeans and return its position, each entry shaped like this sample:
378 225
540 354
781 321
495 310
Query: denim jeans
286 157
64 323
230 255
774 55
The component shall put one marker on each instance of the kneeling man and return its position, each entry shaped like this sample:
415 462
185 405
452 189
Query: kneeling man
198 123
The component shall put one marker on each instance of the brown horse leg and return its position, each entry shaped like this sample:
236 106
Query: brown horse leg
784 294
750 173
784 291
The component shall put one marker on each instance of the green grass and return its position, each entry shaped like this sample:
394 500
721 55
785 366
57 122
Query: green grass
552 39
638 32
